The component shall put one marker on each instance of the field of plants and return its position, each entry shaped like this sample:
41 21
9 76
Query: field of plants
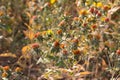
59 40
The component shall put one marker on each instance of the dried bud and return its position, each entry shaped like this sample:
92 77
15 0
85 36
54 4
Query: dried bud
61 23
118 51
6 68
76 52
4 74
37 34
59 32
18 69
35 45
65 52
56 44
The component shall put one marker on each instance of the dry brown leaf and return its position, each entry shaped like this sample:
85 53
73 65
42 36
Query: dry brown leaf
1 13
28 26
7 58
114 14
8 55
83 73
29 34
28 14
104 65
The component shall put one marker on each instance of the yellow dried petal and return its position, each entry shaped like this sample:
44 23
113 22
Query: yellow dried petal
49 32
99 5
83 12
52 1
25 49
29 34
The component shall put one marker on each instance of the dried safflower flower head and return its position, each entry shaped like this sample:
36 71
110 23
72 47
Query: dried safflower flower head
83 12
6 68
84 24
106 7
118 51
107 19
96 11
37 34
59 31
4 74
75 40
99 14
96 35
61 23
76 52
62 46
56 43
18 69
94 26
92 9
76 19
65 52
35 45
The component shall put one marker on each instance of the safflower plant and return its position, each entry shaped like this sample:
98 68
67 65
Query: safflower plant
62 39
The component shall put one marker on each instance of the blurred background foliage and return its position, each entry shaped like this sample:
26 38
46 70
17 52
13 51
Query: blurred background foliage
61 39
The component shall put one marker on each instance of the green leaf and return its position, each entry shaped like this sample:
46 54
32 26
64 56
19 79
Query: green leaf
60 63
43 60
5 27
